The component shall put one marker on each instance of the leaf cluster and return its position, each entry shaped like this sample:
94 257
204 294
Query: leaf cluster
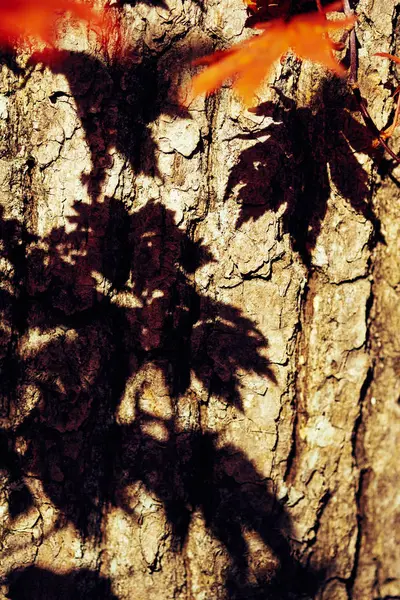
307 35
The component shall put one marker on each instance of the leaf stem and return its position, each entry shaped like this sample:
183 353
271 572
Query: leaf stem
370 124
352 45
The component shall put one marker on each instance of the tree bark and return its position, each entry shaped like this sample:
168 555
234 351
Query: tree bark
199 320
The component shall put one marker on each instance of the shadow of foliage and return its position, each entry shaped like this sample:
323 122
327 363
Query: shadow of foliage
159 3
34 583
307 149
236 502
20 499
84 458
73 442
116 102
90 345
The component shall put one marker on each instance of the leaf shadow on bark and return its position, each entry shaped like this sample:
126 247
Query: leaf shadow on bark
8 57
111 115
73 442
90 347
118 101
20 498
35 583
156 3
236 502
159 3
306 148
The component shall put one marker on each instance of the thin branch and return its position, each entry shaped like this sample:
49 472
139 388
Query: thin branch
370 124
352 45
353 80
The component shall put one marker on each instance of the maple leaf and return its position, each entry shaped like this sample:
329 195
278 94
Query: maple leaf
306 35
37 18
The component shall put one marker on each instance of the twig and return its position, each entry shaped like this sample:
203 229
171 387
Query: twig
352 45
353 80
370 124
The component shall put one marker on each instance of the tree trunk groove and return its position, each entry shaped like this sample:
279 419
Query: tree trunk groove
200 312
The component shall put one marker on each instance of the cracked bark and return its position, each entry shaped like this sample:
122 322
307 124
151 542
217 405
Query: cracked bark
199 349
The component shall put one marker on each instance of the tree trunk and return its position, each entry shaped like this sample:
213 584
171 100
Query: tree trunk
200 311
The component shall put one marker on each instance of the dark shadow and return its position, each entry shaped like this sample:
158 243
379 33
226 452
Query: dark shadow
92 344
267 10
146 255
73 442
157 3
34 583
83 457
307 146
20 499
14 239
8 57
115 104
117 101
235 500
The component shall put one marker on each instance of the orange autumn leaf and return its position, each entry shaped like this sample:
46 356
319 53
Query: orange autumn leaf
37 18
250 61
389 56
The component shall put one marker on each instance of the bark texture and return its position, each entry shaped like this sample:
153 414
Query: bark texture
200 317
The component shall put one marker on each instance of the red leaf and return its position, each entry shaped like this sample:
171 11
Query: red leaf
307 35
37 18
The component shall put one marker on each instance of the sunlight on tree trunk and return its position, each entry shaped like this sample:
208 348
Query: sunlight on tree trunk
200 309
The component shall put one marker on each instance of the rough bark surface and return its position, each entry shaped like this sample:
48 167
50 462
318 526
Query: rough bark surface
199 321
